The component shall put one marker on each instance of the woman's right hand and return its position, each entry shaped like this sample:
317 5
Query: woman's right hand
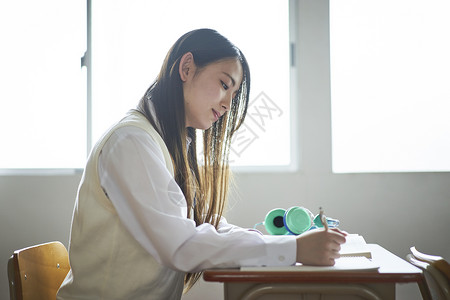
319 247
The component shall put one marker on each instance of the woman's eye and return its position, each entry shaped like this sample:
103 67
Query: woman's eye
224 85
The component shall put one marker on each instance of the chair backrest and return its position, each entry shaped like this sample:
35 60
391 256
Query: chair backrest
437 261
435 270
37 272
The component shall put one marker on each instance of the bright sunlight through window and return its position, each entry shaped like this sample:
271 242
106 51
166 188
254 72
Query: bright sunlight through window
390 63
42 95
44 115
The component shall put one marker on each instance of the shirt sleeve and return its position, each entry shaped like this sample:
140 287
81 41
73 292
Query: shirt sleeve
152 207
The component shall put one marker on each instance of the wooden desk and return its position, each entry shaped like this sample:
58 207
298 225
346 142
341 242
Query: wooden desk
378 284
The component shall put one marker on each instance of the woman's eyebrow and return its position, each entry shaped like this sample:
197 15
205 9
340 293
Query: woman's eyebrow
233 82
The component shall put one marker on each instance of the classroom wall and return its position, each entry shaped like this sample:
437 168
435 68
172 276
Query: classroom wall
394 210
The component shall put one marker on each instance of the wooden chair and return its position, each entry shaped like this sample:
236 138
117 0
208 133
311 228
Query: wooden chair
437 274
36 272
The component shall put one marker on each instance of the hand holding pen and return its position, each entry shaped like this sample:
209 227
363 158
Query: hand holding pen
320 247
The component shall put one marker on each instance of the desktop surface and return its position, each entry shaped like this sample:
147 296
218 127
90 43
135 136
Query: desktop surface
379 282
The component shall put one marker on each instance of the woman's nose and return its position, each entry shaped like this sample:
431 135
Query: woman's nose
226 103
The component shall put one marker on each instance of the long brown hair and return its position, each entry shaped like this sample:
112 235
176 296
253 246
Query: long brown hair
204 185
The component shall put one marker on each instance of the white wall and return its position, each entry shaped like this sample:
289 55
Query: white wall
393 210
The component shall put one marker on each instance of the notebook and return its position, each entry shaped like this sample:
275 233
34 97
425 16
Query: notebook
355 256
360 263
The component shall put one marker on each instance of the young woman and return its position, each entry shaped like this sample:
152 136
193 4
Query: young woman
148 216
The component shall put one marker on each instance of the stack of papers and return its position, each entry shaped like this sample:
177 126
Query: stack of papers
355 245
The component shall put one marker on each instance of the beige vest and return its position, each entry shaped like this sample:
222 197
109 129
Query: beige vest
107 262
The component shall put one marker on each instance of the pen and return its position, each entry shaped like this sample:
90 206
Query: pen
323 218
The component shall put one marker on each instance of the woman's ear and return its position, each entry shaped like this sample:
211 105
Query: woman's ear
187 66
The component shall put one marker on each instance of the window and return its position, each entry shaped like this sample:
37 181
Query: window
45 117
125 61
390 91
43 98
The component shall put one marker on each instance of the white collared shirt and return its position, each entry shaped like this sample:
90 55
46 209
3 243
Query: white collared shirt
152 207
